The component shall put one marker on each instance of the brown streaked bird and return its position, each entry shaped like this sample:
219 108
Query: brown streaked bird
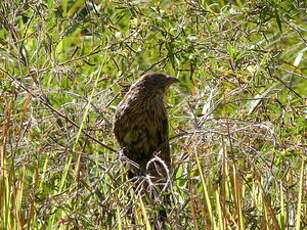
141 123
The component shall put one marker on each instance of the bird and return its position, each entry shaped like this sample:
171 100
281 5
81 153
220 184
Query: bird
141 129
141 126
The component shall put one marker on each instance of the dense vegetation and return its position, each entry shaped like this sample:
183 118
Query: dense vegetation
237 118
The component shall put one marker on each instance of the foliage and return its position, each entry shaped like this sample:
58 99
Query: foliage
238 117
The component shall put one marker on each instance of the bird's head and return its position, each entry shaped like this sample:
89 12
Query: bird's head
156 82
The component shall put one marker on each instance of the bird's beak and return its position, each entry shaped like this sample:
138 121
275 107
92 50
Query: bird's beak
172 80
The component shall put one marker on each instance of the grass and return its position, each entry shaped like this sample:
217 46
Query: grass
237 118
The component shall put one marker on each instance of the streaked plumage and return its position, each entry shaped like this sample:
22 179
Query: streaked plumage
141 123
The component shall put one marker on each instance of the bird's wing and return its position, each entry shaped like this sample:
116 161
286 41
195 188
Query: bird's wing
143 130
